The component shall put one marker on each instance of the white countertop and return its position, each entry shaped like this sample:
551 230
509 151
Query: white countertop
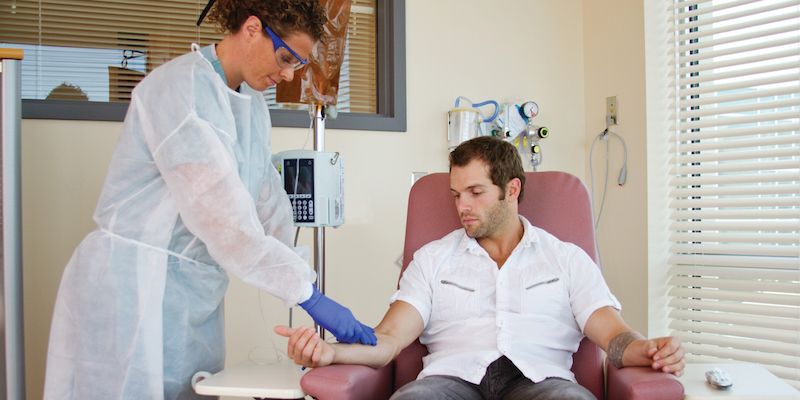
275 380
750 382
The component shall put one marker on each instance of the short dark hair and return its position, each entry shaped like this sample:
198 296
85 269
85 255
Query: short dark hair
501 157
284 17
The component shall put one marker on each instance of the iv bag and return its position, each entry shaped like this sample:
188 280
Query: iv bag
318 82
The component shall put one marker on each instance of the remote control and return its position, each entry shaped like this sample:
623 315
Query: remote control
718 378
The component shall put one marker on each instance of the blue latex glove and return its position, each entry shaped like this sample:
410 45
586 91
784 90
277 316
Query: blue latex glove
338 320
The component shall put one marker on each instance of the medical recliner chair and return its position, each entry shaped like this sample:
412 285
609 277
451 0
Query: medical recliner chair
554 201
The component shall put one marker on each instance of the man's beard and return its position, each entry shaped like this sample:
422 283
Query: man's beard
496 216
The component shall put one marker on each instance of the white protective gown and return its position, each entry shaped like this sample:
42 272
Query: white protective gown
190 195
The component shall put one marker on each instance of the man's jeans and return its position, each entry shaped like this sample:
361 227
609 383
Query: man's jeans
503 380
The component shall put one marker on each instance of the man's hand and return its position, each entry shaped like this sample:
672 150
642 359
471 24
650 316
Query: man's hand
666 354
401 325
306 348
627 348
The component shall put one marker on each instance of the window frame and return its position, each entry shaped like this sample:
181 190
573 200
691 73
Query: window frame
391 88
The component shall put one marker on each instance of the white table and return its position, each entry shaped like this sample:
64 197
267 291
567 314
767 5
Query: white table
275 380
750 382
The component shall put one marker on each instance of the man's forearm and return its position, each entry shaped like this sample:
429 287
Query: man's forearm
374 356
620 343
401 325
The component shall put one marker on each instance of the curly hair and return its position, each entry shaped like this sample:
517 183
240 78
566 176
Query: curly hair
501 156
284 17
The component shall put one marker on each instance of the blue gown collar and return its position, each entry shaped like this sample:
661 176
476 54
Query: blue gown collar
210 54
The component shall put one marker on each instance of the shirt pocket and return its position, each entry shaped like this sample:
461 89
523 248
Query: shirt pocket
455 298
544 295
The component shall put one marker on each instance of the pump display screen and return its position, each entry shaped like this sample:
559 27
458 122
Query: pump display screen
298 181
302 184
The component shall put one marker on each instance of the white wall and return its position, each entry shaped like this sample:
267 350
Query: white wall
613 40
505 50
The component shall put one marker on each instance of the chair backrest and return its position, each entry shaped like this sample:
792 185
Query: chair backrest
554 201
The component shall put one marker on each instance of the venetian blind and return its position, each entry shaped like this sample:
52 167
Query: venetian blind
735 182
359 89
97 50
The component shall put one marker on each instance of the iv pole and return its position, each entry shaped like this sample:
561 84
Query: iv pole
318 123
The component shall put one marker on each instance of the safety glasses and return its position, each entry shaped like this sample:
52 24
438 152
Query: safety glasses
286 57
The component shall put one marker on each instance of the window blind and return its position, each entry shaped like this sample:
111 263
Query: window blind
360 59
99 50
735 183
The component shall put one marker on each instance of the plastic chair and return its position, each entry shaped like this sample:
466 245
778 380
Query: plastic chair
554 201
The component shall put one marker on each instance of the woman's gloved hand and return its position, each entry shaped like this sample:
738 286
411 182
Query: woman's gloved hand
338 320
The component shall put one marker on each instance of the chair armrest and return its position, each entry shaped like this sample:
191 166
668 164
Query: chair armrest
641 383
348 382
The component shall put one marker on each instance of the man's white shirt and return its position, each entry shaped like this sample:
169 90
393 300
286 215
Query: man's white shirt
532 310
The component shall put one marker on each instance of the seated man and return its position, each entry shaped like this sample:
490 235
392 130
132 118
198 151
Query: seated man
501 305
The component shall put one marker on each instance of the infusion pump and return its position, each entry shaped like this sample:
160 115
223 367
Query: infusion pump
314 181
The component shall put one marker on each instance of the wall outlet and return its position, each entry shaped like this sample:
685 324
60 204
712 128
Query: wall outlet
611 111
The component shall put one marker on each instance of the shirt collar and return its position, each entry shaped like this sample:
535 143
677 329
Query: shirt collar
471 245
529 235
